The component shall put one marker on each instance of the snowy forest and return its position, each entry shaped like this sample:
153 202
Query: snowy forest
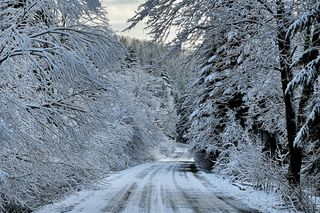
252 111
236 81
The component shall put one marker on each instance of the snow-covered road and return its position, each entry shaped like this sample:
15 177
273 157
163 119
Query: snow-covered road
172 185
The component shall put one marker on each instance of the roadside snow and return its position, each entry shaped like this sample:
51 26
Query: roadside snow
222 186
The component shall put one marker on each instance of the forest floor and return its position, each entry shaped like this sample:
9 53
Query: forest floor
170 185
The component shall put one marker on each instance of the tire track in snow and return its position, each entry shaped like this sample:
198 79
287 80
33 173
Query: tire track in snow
187 199
147 191
153 189
200 198
141 197
169 196
145 201
119 201
146 172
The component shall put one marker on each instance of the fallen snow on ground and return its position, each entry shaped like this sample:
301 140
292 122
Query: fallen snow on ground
171 185
222 186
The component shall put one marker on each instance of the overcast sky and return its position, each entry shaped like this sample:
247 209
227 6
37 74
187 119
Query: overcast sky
119 11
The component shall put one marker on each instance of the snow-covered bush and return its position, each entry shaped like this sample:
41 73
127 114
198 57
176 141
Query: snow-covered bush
246 164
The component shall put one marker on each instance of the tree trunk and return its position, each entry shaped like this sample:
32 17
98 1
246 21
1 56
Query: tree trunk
286 77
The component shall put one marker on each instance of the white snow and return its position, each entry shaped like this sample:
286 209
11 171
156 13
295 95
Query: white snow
3 176
231 34
213 76
212 59
206 68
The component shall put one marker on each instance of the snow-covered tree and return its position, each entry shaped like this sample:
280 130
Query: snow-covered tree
305 83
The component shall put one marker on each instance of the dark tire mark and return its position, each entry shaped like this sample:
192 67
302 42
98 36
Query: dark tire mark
186 166
70 207
146 172
190 201
170 201
166 196
147 191
162 195
120 200
145 202
67 209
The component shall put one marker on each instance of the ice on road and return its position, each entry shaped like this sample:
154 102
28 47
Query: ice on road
172 185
